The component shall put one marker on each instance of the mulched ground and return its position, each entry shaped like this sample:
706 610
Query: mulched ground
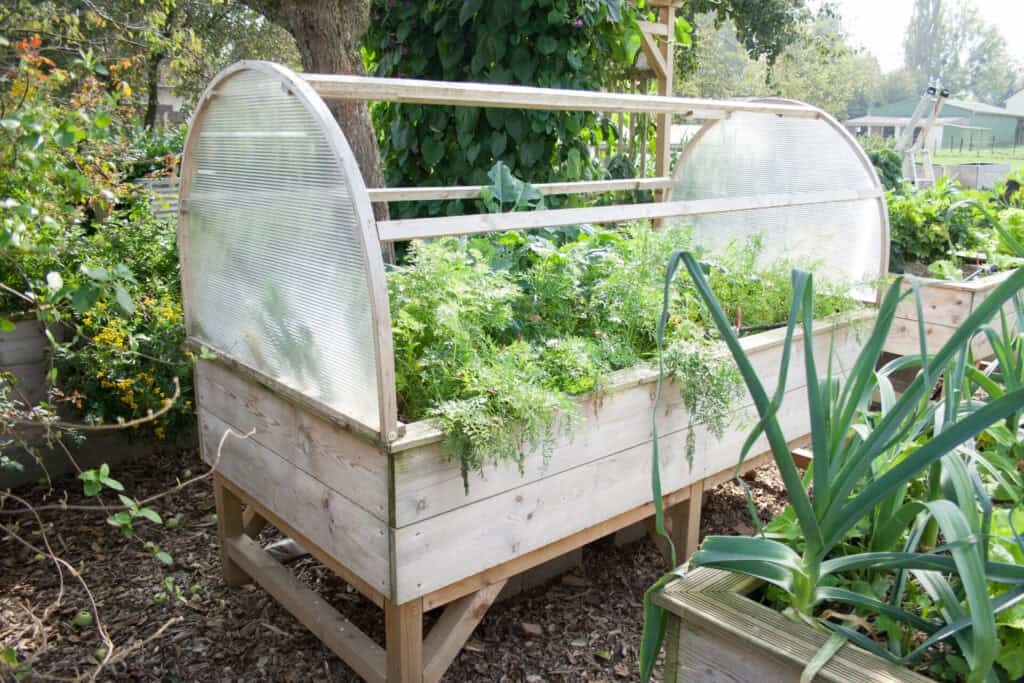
589 621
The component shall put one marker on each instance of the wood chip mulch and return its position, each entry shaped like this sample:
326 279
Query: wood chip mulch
584 626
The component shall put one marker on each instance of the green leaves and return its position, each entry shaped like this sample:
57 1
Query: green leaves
94 480
582 46
863 466
125 519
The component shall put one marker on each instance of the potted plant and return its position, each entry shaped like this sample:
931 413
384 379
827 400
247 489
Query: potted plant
888 508
946 237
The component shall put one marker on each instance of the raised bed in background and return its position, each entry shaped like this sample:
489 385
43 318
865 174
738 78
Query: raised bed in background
946 304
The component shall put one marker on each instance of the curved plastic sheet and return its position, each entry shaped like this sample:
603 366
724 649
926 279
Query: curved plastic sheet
754 155
274 263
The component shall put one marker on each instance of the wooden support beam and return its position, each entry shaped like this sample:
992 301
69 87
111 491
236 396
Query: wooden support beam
403 194
336 632
229 526
663 148
802 457
685 529
441 226
403 625
453 629
653 28
653 53
252 522
365 88
345 574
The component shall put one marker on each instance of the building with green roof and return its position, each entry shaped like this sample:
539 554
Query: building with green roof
970 124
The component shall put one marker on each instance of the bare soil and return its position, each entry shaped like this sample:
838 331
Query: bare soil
582 627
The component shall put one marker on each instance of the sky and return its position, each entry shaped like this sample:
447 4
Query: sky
879 25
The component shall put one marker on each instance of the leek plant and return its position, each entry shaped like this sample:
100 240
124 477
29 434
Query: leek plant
862 467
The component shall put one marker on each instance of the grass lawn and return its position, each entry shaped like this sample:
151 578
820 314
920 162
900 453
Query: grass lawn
1012 156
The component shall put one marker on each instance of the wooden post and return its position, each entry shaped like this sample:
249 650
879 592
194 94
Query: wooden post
663 157
229 525
403 625
686 523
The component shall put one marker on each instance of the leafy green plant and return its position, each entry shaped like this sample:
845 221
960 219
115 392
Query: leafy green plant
1012 221
845 490
494 334
935 223
946 270
889 167
574 44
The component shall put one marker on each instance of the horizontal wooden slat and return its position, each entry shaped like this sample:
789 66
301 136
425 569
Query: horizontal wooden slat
423 228
341 87
358 650
401 194
652 28
342 461
330 521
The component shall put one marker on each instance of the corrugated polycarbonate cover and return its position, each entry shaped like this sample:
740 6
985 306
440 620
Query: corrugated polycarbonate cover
758 155
274 264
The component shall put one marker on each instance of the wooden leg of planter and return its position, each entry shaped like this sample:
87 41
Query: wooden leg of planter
403 626
252 522
454 628
229 526
685 519
682 521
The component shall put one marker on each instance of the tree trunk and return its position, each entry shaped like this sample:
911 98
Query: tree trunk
153 87
327 33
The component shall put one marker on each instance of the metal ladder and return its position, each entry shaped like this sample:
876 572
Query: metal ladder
914 150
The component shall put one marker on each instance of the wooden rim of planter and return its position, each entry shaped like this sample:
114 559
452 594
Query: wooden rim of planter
717 599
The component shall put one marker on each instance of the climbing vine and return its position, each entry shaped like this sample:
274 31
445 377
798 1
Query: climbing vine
575 44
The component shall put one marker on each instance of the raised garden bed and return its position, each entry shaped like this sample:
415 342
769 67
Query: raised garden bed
717 632
945 304
299 321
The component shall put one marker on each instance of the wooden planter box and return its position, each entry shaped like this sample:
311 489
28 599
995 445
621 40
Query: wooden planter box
283 280
716 633
23 352
396 515
946 305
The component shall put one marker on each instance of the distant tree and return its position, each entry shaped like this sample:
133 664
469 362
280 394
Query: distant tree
820 68
897 85
952 44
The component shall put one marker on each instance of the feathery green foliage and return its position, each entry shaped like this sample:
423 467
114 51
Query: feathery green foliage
494 334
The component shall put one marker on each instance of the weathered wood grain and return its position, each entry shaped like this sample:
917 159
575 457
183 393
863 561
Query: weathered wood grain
721 635
342 461
344 530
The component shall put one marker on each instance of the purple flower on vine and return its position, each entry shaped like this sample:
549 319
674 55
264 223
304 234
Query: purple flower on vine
579 22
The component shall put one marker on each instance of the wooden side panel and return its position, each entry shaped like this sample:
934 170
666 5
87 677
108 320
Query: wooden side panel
326 452
427 484
945 306
343 529
515 522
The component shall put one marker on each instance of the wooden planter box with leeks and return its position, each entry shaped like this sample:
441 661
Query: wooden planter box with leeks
887 564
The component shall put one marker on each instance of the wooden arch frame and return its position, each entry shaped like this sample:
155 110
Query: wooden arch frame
376 285
844 135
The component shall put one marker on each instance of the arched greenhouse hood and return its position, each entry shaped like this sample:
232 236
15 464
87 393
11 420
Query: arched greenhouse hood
282 272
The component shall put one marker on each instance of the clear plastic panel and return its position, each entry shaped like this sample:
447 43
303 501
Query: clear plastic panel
275 267
752 155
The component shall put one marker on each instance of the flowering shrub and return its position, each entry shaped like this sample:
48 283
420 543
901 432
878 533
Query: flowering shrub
79 245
